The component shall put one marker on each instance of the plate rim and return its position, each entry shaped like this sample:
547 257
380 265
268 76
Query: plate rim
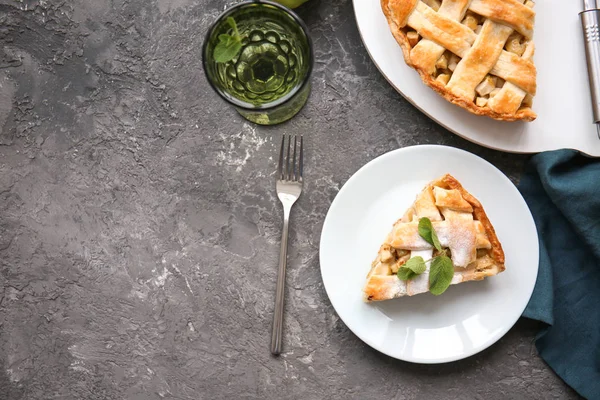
327 222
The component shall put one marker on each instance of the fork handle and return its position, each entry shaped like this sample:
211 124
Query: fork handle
276 333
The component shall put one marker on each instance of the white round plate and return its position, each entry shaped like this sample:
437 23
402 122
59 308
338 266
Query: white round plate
468 317
562 102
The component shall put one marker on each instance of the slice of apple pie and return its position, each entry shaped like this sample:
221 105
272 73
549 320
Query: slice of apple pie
477 54
444 238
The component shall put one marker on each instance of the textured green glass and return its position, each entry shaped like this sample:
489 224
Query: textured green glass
268 80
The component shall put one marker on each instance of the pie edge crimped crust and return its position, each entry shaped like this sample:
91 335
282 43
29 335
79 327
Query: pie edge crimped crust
379 288
523 114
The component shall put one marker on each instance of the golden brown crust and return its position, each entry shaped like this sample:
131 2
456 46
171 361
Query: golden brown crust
380 287
510 12
452 199
402 8
523 114
496 250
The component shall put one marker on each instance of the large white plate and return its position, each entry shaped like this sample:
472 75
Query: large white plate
562 103
468 317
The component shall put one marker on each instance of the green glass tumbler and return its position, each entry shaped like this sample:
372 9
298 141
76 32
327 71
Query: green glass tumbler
268 81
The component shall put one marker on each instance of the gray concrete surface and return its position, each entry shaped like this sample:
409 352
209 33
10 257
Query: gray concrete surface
139 228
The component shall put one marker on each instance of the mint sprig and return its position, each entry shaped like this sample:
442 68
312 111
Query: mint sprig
428 233
441 271
440 274
229 45
413 267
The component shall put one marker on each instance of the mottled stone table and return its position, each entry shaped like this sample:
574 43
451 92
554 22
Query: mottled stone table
139 228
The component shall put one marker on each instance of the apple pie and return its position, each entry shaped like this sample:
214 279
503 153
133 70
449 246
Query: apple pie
477 54
465 234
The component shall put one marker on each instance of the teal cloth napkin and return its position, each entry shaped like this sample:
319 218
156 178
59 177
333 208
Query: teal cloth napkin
562 189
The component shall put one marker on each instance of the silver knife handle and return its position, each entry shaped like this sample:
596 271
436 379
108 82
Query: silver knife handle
590 22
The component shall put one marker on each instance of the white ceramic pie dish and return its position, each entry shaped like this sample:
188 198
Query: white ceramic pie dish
468 317
562 103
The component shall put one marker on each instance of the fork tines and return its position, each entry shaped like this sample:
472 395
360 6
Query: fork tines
292 170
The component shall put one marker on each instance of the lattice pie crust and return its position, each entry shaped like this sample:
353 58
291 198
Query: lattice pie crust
475 53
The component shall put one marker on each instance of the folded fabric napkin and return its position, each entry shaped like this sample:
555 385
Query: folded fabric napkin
562 189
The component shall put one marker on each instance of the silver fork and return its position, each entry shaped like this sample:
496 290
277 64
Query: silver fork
289 187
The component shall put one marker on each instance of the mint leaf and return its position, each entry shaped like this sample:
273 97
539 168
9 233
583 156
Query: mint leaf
416 265
226 51
434 238
440 275
405 274
427 232
233 25
225 38
229 45
413 267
